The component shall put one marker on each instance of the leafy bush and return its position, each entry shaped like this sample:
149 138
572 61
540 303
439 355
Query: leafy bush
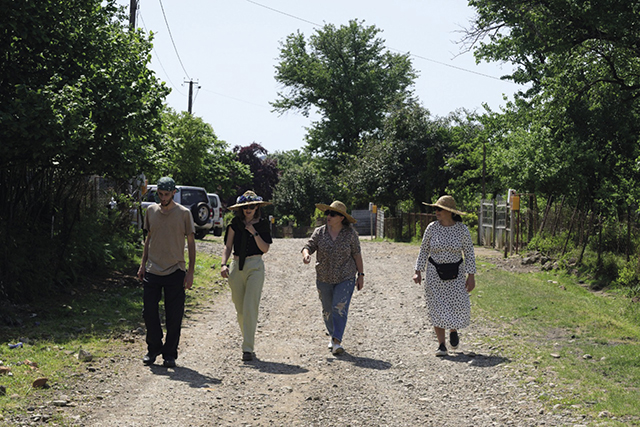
548 244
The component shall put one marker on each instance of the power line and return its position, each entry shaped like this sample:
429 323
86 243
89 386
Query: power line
397 50
237 99
172 41
284 13
157 57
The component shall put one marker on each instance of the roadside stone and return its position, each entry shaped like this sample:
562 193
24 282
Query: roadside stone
40 382
587 356
84 356
59 403
3 390
4 370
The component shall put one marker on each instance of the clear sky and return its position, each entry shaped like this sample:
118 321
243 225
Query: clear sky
231 48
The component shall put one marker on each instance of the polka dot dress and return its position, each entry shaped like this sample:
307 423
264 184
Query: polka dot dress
447 301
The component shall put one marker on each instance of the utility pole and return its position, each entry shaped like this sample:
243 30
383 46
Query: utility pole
191 82
484 167
133 8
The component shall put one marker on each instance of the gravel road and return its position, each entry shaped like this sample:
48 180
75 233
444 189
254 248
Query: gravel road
388 376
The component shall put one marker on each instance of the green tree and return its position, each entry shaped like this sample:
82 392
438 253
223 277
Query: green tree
346 75
582 63
403 162
76 100
193 155
302 184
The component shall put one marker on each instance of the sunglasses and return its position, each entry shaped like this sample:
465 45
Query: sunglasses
248 208
332 213
439 209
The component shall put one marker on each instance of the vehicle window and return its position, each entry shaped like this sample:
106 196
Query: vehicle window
150 196
191 197
213 202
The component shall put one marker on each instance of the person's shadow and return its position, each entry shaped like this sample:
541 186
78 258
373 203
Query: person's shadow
186 375
275 367
476 359
361 362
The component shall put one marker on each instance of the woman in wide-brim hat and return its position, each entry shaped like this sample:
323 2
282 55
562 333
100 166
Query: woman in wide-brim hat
248 236
339 268
447 245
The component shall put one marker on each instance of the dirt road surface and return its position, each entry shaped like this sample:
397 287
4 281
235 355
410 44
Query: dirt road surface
388 376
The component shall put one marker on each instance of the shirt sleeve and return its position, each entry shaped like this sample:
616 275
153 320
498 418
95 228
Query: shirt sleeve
312 243
264 229
469 254
189 226
355 243
425 249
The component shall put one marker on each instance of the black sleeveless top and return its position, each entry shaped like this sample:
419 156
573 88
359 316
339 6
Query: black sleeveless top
244 244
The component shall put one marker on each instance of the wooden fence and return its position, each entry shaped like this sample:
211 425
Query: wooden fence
407 225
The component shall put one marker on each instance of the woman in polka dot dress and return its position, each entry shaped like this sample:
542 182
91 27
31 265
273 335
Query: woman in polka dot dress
445 241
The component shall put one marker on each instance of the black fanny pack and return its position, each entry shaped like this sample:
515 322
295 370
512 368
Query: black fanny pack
448 271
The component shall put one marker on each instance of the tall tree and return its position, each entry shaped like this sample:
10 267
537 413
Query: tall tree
76 99
403 162
582 62
346 75
193 155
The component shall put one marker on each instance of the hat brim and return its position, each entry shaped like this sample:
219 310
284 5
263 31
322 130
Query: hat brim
240 205
324 208
435 205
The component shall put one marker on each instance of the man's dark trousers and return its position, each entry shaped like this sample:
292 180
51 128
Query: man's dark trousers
174 299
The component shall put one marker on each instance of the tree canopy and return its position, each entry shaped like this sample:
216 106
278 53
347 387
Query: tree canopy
582 63
193 155
345 74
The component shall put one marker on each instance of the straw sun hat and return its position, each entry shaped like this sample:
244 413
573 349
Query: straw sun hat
339 207
249 198
447 203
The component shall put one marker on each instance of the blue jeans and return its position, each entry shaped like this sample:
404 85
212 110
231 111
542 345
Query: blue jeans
335 301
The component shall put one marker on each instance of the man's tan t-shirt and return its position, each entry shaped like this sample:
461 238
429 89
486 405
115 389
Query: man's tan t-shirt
167 231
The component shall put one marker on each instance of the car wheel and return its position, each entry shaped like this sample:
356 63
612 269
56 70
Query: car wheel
200 234
201 213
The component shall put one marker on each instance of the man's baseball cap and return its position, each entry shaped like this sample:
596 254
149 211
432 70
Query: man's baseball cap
166 184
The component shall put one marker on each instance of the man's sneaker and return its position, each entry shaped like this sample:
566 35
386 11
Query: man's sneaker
454 339
442 350
150 358
248 356
330 345
336 348
169 363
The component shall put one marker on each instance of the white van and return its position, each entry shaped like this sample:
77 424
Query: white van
216 206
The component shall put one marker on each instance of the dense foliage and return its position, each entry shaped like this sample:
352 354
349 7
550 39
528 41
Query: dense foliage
193 155
348 77
76 99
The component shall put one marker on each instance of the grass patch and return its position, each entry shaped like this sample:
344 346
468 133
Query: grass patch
104 319
582 347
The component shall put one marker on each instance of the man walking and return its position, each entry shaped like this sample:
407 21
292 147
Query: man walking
163 269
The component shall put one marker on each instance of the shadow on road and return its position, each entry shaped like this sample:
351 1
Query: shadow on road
186 375
275 367
362 362
478 360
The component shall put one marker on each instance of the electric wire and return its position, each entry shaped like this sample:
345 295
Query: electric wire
172 41
157 57
396 50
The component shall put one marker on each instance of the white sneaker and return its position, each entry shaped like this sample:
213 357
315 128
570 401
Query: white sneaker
336 348
330 345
